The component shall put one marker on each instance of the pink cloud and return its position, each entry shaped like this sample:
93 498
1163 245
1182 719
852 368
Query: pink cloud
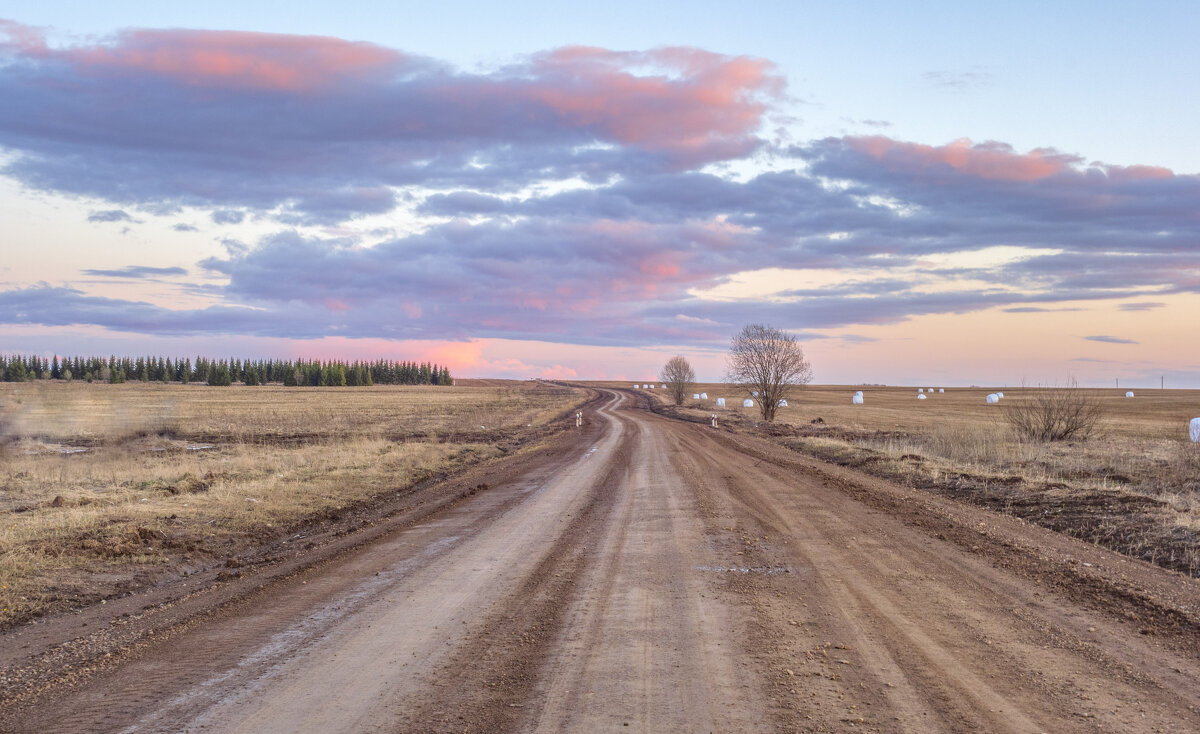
236 59
559 372
334 304
320 129
697 102
993 161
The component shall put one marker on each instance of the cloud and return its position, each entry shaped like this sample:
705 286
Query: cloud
228 216
318 129
110 215
1109 340
1141 306
1037 309
183 227
136 271
991 160
632 261
565 197
959 81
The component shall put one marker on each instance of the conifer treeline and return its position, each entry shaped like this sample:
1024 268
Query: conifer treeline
314 373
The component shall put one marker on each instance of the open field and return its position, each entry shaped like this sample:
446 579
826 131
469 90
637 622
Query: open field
1134 486
641 573
107 488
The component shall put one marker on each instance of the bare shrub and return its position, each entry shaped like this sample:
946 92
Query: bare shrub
769 362
679 377
1055 414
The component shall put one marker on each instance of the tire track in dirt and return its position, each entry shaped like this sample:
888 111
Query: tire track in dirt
925 636
222 647
489 683
648 642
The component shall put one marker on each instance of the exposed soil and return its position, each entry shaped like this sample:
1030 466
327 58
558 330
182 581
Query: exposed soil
1133 524
646 573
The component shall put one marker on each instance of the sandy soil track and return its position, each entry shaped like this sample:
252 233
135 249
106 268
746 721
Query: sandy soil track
663 576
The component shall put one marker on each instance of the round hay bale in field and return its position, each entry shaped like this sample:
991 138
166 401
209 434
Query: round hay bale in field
857 399
920 389
748 403
720 402
695 396
921 397
783 404
704 396
993 398
941 389
1129 394
1195 430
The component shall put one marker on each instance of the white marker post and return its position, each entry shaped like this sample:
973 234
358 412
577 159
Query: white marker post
714 420
579 419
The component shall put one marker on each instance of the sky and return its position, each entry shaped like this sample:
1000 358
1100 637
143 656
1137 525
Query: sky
924 194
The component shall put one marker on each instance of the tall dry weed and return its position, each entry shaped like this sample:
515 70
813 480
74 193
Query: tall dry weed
1055 414
1187 464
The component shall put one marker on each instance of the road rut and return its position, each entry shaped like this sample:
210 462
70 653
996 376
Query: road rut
665 576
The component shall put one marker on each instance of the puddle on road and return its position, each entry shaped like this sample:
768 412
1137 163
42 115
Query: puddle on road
64 450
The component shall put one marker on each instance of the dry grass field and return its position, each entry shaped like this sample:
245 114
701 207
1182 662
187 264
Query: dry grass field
1133 486
105 487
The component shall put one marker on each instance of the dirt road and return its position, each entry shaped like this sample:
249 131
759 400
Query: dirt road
665 576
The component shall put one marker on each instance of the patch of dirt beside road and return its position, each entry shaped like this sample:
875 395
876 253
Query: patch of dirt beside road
129 617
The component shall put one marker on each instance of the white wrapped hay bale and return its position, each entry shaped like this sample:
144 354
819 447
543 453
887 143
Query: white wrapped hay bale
695 396
1129 394
1195 430
636 387
783 404
993 398
720 402
920 389
704 396
921 397
754 393
859 393
941 389
857 399
748 403
999 394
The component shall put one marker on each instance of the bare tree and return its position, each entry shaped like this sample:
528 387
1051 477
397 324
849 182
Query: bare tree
767 361
679 377
1055 414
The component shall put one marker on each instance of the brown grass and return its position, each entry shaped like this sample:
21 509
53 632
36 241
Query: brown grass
143 499
1133 486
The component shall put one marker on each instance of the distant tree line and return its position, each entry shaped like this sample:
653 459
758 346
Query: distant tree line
300 372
